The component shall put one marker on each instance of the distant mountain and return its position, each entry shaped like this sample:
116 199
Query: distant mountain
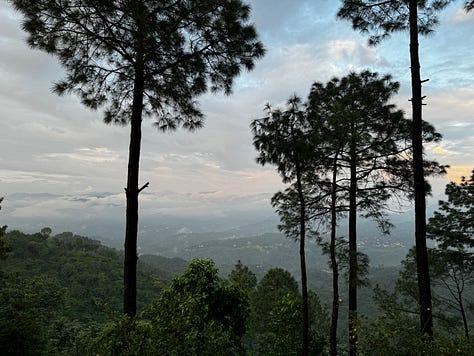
267 250
250 237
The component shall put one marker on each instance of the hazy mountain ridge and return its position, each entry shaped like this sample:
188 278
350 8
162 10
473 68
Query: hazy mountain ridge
234 235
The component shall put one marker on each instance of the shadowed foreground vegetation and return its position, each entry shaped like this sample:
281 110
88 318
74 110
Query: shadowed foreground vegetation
61 295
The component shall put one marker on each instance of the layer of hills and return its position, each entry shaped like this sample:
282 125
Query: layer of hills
90 273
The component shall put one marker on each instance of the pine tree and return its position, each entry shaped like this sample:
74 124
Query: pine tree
380 19
452 226
281 138
143 58
4 247
366 142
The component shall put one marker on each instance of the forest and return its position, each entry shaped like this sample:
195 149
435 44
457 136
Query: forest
344 153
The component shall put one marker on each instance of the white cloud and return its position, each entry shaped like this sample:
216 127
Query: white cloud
460 15
30 177
92 155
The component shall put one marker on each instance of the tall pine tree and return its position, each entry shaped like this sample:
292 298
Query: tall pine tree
381 19
281 138
143 58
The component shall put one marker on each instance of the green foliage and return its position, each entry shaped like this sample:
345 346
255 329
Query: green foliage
397 333
453 224
241 276
284 336
276 284
90 272
125 336
199 314
27 308
282 333
396 330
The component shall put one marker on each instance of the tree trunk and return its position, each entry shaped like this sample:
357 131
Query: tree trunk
424 287
462 310
132 191
353 246
334 266
304 283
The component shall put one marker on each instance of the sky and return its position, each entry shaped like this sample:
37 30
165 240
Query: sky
59 160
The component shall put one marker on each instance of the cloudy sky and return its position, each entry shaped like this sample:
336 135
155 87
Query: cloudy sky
58 158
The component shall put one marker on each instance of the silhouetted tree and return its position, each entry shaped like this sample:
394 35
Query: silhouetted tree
469 5
380 19
4 247
281 138
143 58
367 140
452 226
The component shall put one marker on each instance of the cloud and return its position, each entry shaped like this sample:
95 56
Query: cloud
55 145
460 16
441 151
9 176
456 172
89 155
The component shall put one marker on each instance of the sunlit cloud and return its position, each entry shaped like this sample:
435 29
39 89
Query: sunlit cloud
441 151
93 155
456 172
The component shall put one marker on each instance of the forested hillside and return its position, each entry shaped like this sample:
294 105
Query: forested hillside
61 295
54 287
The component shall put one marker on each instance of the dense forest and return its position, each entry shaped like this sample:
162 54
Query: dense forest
343 153
61 295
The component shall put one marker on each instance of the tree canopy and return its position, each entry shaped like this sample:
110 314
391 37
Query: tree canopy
178 48
143 58
452 225
382 18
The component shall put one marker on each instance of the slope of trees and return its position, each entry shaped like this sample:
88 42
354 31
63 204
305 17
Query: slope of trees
54 288
54 304
90 271
139 59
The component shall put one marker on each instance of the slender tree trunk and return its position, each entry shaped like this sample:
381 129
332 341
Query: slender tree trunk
424 285
334 266
353 247
132 191
462 310
304 282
